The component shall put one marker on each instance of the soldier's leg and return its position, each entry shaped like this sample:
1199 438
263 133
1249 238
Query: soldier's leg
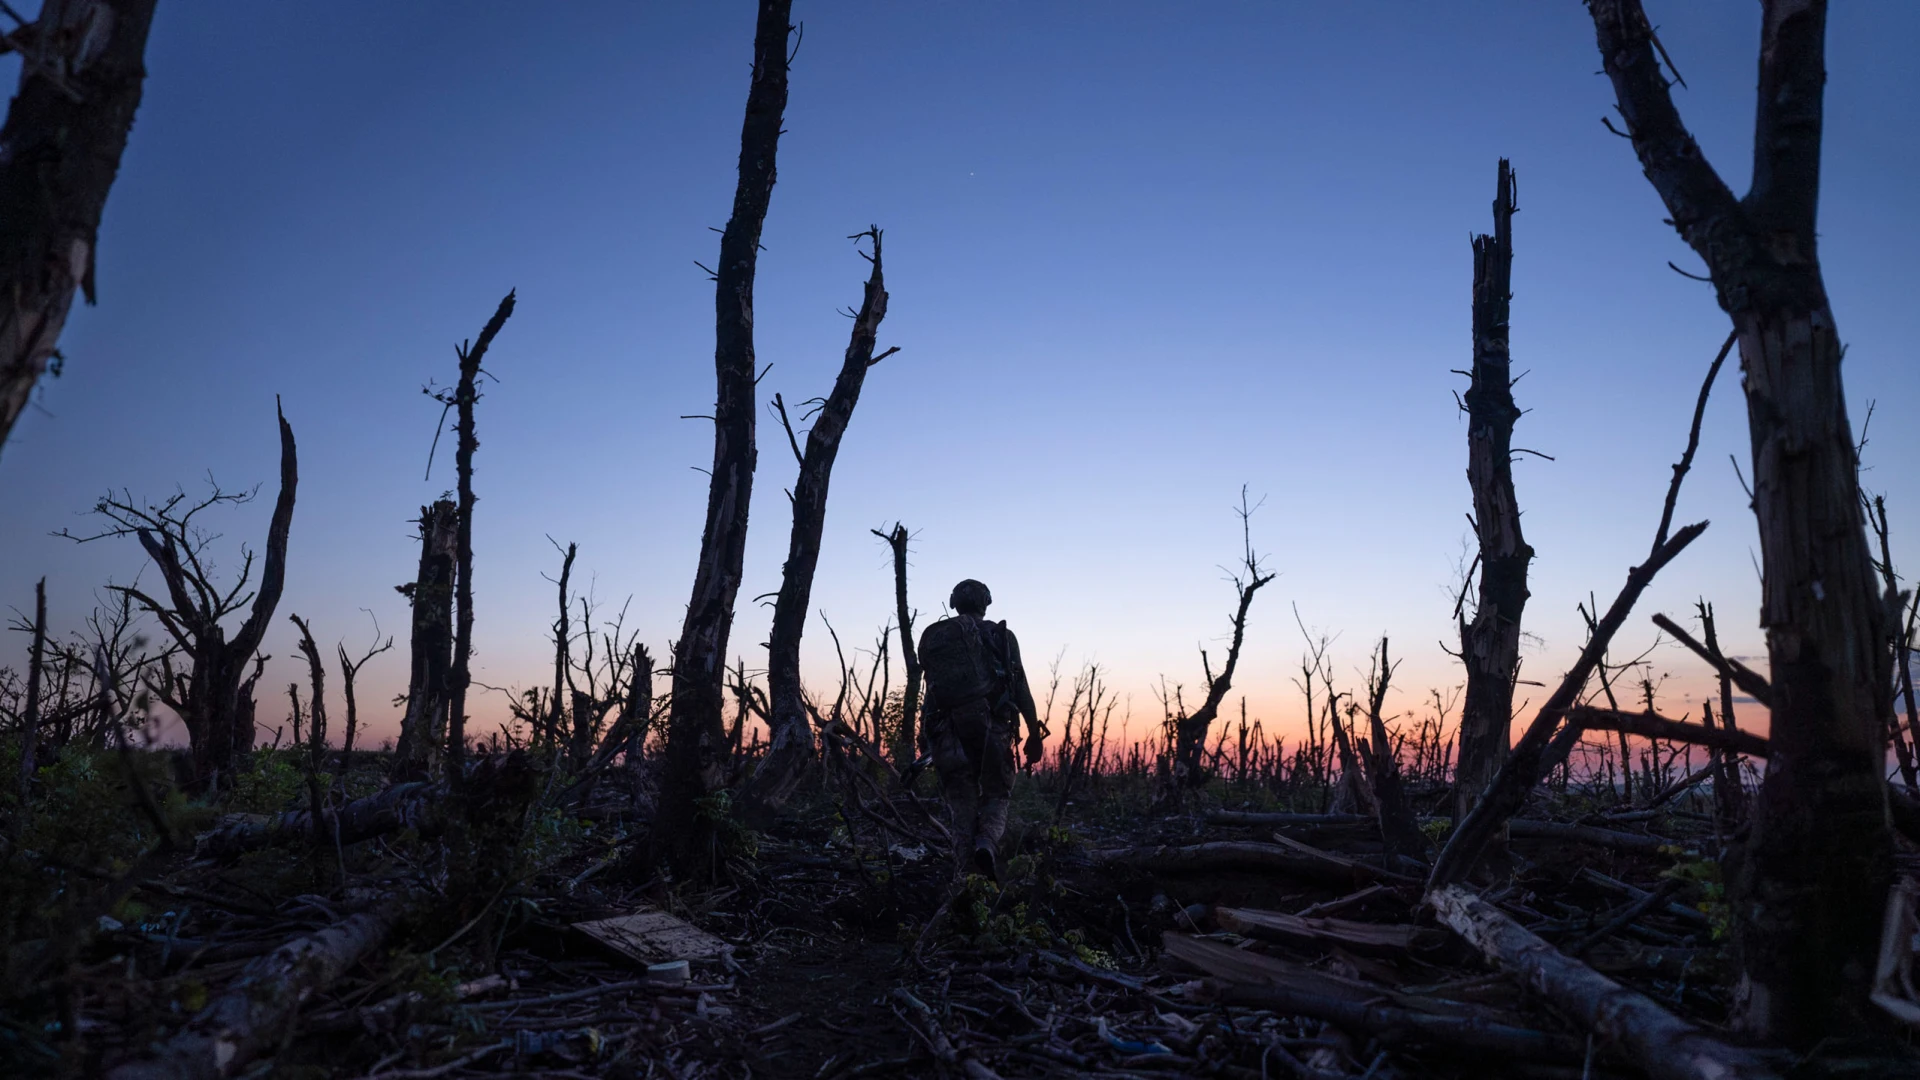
996 788
957 780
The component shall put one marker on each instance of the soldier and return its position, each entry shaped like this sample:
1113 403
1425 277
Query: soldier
976 693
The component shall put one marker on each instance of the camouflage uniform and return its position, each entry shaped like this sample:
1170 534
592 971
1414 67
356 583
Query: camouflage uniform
970 727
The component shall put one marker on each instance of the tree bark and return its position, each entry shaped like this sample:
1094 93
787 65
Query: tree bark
1809 893
466 392
695 762
80 85
790 740
423 728
1190 739
1490 643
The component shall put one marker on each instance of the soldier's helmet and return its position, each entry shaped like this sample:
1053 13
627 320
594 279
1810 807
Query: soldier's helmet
970 596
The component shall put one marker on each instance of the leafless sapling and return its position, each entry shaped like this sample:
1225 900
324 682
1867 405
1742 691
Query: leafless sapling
349 672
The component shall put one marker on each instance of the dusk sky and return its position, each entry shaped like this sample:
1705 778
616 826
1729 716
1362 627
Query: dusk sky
1140 255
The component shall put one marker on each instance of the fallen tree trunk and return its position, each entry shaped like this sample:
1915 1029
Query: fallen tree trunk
256 1012
1299 861
1612 839
1246 817
402 806
1400 1027
1667 1047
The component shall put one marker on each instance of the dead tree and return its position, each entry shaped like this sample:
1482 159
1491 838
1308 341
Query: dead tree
908 742
465 393
316 718
1490 641
30 714
80 83
562 661
696 737
1398 829
349 671
424 726
1548 738
207 698
790 738
1729 795
1810 892
1191 730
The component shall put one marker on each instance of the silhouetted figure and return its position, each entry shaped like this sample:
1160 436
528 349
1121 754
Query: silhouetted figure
976 693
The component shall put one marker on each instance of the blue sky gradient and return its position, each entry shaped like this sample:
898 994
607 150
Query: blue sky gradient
1140 254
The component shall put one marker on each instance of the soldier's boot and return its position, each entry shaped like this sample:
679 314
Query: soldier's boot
988 827
963 801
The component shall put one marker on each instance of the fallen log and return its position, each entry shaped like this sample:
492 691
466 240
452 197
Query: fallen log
257 1010
1358 936
1400 1027
1614 839
1296 860
402 806
1667 1047
1248 817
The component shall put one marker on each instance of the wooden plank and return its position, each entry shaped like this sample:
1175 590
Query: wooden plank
652 936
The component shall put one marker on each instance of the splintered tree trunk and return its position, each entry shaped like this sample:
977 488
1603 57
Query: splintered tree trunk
466 392
903 616
790 742
696 735
424 726
1809 894
80 86
1490 643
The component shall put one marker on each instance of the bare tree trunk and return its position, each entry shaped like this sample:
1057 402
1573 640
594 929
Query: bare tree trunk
465 394
80 86
696 736
557 704
316 720
1490 643
907 750
1729 796
790 738
423 729
30 715
1809 894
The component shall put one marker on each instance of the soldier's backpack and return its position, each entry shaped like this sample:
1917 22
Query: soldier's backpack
963 666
